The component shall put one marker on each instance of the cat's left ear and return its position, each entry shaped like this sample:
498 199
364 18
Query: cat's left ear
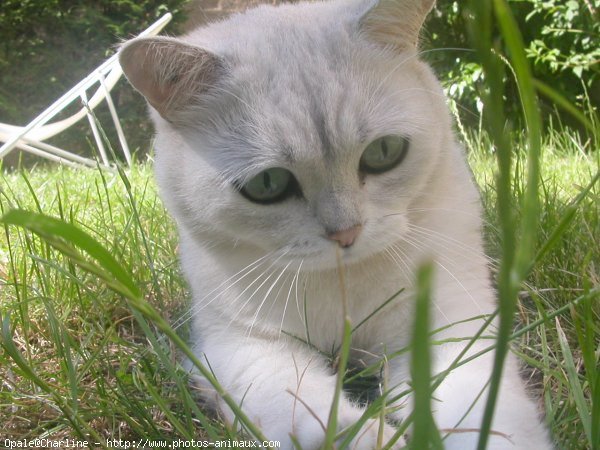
395 23
169 72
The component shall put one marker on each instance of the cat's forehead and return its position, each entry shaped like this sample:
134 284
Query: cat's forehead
309 114
307 129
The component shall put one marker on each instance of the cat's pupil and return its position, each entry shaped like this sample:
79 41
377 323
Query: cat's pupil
384 150
267 181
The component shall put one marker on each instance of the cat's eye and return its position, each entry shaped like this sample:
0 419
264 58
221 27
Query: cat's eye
270 186
384 154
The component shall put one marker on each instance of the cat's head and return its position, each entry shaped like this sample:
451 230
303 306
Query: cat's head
297 129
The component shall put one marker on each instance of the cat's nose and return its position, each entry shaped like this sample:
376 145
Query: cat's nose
345 238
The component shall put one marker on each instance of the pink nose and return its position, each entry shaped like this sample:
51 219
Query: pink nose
345 238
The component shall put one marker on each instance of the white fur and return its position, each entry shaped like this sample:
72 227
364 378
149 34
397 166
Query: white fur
261 273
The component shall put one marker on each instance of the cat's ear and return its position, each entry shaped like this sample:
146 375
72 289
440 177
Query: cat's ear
395 23
168 72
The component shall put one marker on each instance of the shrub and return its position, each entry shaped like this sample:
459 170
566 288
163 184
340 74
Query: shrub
561 39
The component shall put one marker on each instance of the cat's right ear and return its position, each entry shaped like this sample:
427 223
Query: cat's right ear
168 72
395 23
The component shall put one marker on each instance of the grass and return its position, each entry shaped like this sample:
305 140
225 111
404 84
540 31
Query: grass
569 271
70 329
83 364
86 355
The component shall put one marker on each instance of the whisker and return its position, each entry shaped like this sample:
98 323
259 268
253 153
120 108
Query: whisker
283 284
432 234
450 244
449 272
241 308
267 296
199 305
297 301
294 281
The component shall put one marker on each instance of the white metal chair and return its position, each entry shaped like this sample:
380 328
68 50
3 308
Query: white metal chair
31 138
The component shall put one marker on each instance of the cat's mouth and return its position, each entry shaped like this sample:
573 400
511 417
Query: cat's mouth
325 251
329 254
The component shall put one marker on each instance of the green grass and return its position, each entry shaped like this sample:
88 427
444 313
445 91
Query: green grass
72 331
569 271
82 363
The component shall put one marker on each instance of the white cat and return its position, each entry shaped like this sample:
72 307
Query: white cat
284 136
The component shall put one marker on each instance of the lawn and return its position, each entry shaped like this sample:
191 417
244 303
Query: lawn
78 360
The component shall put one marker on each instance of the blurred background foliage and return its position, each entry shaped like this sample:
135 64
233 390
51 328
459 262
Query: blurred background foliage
47 46
562 39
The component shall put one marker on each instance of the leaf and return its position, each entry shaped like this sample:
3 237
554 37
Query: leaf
63 235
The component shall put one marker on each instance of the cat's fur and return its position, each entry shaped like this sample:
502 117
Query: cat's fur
307 87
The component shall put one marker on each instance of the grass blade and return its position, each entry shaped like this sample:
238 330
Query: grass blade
574 382
425 434
344 355
55 230
7 343
565 220
562 102
516 260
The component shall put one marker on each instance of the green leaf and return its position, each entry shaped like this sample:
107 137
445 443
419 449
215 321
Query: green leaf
62 235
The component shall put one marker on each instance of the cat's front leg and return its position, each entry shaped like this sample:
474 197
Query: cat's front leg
464 392
285 389
458 403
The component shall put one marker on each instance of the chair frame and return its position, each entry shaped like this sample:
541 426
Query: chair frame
31 138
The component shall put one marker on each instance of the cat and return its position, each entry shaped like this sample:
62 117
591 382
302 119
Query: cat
295 139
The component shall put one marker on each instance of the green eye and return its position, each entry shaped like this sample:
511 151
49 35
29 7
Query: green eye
384 154
270 186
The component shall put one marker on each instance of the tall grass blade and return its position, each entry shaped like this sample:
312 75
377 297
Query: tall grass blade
574 383
376 310
425 434
58 233
563 103
516 260
344 355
